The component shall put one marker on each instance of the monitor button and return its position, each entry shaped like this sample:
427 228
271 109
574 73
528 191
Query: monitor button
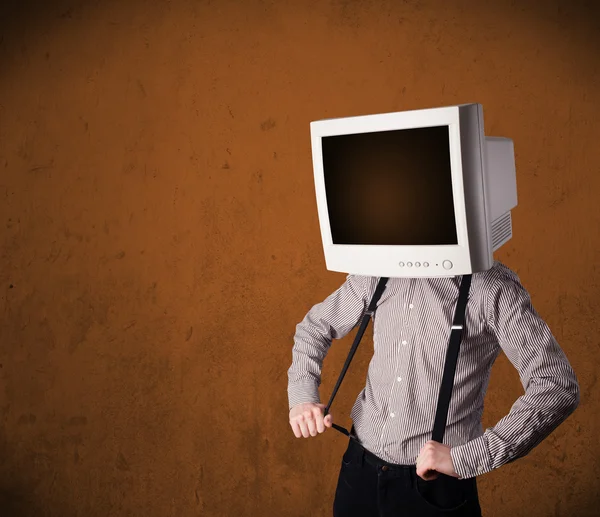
417 264
425 264
401 264
447 264
409 264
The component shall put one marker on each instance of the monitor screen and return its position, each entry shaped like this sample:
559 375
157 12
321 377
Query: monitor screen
390 187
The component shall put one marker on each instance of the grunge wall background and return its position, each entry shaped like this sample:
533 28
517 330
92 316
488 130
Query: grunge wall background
159 238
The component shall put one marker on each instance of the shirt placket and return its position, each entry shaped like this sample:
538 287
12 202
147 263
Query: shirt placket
402 354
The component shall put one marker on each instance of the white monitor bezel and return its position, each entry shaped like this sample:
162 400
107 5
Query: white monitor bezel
383 260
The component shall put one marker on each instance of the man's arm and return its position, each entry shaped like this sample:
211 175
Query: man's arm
551 387
331 319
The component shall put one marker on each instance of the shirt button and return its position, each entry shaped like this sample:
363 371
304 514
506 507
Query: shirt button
411 306
404 342
480 469
392 415
399 379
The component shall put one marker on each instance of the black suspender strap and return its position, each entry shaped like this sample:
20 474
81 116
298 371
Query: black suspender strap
363 326
458 328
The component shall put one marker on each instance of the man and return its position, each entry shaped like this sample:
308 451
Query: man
392 467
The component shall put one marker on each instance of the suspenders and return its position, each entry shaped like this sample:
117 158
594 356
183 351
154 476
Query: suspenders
445 393
361 330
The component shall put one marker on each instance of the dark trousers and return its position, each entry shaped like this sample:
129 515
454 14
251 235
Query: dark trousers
371 487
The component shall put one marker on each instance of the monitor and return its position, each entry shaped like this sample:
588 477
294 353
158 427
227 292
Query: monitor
421 193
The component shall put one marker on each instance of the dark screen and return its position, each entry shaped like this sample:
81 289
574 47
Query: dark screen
390 187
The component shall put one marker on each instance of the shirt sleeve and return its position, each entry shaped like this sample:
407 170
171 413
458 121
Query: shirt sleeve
331 319
550 384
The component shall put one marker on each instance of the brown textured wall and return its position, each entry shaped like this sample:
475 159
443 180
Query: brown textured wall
159 238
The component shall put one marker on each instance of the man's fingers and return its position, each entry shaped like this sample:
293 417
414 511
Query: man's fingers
299 426
296 428
318 415
426 463
302 425
309 418
304 428
324 422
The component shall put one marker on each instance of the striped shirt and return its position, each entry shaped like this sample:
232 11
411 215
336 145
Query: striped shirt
393 415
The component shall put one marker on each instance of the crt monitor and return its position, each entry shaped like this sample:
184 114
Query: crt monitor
420 193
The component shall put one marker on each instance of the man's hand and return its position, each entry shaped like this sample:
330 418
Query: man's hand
307 419
435 458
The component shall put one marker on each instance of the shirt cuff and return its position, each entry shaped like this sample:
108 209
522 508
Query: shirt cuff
300 393
471 459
